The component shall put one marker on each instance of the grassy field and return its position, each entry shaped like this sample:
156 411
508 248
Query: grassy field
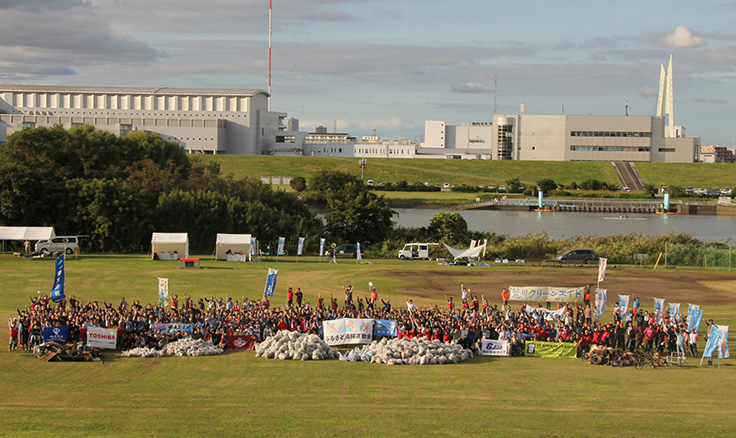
475 172
237 394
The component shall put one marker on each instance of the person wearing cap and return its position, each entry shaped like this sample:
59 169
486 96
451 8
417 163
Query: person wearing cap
13 326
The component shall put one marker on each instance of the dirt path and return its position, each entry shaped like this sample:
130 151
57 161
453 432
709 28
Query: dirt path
674 286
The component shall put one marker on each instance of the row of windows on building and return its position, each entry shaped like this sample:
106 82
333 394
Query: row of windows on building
117 113
609 134
588 148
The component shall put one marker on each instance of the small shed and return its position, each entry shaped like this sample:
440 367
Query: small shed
235 245
170 246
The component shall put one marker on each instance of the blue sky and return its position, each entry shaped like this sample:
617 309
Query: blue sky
391 65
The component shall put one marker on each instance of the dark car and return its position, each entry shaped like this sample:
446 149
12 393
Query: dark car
346 250
577 255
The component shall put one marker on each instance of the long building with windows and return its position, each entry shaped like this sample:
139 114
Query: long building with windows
207 121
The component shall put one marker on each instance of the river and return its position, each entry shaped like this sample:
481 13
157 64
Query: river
560 225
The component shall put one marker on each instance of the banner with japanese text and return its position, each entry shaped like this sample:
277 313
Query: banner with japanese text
695 317
348 331
675 312
659 310
602 269
280 250
173 327
551 349
623 302
321 246
718 340
385 327
163 292
601 296
270 282
57 292
56 334
548 315
300 247
544 293
240 342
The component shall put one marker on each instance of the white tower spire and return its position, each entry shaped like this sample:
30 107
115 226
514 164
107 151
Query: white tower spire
665 99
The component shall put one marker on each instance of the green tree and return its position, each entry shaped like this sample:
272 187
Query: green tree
358 215
514 185
546 185
448 227
299 183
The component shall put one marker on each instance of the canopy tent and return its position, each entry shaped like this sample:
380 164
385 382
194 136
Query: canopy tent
170 243
27 233
232 244
465 253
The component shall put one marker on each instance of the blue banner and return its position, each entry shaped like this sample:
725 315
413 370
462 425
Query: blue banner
321 247
623 301
358 256
659 310
270 282
601 295
385 327
675 312
57 293
56 334
253 244
300 247
695 316
718 340
282 240
173 327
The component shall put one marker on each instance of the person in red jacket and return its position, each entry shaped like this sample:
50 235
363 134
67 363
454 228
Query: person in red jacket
289 297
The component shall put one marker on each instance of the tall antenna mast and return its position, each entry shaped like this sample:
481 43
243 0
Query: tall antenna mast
270 7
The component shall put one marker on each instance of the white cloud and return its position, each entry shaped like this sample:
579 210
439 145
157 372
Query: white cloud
470 87
682 37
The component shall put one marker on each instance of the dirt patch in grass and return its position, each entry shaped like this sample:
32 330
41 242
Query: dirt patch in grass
674 286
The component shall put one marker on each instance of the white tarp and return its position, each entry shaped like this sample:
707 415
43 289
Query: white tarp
465 253
27 233
168 243
235 243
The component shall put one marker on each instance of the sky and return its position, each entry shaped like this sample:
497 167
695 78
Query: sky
390 65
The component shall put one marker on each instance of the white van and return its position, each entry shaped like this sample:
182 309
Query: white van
67 244
415 251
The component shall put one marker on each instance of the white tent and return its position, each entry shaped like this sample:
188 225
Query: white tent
165 245
465 253
234 243
27 233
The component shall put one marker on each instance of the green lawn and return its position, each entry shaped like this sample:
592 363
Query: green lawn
475 172
237 394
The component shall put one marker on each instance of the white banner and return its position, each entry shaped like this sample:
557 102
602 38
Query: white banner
163 292
602 269
549 315
490 347
348 331
102 338
544 293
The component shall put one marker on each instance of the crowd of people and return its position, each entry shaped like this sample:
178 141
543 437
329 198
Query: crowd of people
467 323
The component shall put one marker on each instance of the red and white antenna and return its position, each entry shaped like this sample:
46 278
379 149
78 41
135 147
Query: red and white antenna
270 7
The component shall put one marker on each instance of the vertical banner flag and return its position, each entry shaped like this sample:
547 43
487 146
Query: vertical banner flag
270 282
623 301
659 310
675 312
602 269
695 318
282 240
163 292
690 309
601 295
253 243
300 247
718 339
358 256
321 247
57 292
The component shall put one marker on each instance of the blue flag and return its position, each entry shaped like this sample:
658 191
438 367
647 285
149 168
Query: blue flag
57 293
675 312
718 340
357 254
601 295
253 244
659 310
321 247
270 282
300 247
695 316
623 301
282 240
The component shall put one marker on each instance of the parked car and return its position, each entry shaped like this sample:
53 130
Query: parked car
577 255
66 244
346 250
446 185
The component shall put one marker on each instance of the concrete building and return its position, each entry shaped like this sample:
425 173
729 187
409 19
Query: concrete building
209 121
716 154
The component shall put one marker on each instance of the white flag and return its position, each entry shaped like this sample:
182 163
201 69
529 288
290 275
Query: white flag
602 269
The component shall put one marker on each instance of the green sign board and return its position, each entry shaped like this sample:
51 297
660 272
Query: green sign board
551 349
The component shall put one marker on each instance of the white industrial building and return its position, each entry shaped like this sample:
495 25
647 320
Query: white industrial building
209 121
